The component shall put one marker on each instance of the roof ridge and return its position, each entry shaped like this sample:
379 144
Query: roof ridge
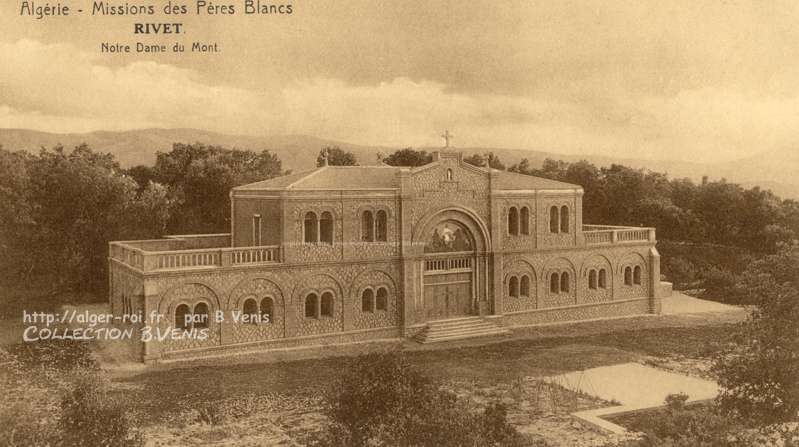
304 177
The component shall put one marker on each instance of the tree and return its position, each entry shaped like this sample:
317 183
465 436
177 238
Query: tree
758 374
488 159
16 210
522 167
475 160
142 174
335 157
200 178
80 201
408 157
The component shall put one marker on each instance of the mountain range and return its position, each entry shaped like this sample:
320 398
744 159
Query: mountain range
775 170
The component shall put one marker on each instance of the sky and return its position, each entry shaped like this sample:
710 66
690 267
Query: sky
692 80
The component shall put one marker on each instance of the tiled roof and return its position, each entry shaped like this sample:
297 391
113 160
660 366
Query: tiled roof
382 177
333 177
513 181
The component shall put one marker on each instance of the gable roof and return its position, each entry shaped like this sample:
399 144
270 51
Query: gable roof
332 177
513 181
385 177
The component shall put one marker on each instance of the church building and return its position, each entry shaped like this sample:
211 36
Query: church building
349 254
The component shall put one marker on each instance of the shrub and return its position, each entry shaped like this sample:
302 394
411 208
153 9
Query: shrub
720 284
758 372
380 400
679 271
680 425
58 356
90 417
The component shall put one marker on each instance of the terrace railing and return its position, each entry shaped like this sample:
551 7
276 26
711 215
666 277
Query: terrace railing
608 235
167 254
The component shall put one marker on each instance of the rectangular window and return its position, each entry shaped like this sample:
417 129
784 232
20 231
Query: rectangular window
256 230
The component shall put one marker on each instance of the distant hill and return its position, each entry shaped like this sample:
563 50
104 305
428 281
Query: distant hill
775 170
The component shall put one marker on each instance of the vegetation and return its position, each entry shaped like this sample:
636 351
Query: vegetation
55 394
487 159
408 157
382 400
59 209
758 373
335 157
708 232
200 178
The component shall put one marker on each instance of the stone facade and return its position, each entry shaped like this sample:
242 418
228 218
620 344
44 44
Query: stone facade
350 254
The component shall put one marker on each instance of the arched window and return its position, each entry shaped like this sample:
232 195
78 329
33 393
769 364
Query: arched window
382 226
327 304
180 316
564 219
267 310
368 301
250 309
382 299
525 220
525 286
554 219
564 282
367 227
200 317
449 174
513 286
637 275
628 276
311 228
326 228
554 283
603 279
592 279
311 305
513 221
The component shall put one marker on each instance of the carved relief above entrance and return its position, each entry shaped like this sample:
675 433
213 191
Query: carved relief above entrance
453 265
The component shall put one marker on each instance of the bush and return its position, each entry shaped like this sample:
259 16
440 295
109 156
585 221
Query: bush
720 284
680 425
55 394
680 271
758 372
380 400
90 417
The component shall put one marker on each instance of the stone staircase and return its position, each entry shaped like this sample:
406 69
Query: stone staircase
458 329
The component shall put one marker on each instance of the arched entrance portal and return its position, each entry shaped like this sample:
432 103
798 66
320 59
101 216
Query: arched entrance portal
451 264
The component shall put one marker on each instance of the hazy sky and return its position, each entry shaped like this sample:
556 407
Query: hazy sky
695 80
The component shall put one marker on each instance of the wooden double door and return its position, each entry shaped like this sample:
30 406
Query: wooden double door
448 295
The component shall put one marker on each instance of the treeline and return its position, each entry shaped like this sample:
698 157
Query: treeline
709 232
59 208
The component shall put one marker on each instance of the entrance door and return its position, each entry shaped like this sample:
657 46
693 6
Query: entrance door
448 295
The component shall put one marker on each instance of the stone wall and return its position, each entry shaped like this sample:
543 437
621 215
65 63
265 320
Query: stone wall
286 286
578 312
577 263
431 190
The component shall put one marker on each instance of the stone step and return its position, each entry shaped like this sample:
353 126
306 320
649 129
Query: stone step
454 321
437 327
474 327
457 329
465 334
477 327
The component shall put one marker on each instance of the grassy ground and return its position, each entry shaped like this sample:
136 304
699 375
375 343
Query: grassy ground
275 398
166 390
